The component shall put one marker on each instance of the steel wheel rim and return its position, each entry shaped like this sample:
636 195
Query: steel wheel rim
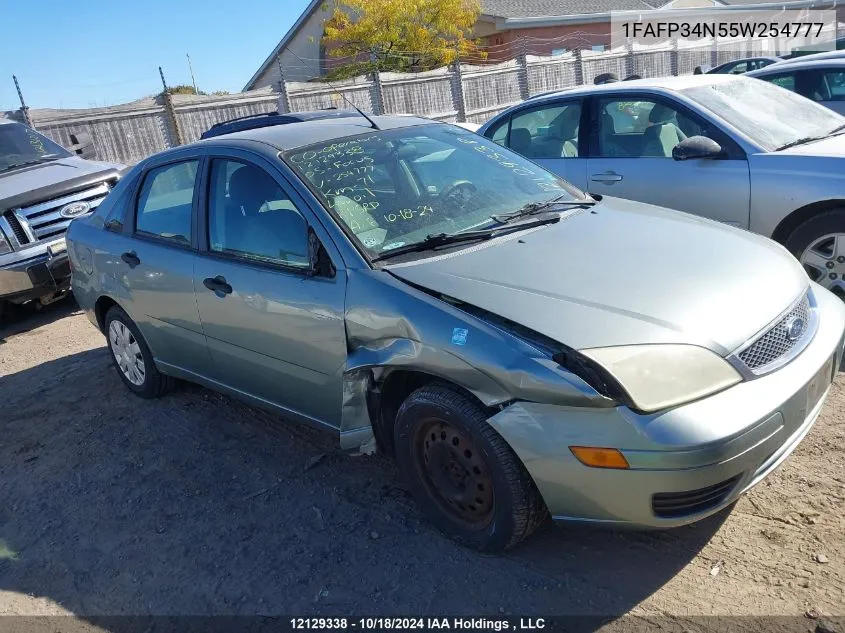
127 353
824 261
455 474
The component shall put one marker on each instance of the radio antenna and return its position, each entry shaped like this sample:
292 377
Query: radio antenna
342 96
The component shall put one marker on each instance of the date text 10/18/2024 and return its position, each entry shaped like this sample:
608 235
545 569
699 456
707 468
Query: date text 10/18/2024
421 624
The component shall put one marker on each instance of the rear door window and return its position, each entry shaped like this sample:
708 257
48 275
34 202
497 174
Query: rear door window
550 131
165 202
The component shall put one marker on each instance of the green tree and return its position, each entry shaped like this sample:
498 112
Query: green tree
400 35
183 89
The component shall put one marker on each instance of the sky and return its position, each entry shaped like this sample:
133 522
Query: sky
92 53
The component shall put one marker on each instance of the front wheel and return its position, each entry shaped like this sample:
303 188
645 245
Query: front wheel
132 358
819 244
464 476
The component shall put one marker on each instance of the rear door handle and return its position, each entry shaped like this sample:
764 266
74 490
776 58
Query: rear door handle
608 177
131 258
217 285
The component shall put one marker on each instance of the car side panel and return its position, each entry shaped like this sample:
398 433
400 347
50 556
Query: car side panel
91 252
160 299
781 184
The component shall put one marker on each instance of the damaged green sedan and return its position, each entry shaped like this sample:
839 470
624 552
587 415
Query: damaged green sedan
520 347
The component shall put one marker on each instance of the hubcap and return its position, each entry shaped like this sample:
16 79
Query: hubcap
824 261
456 474
127 353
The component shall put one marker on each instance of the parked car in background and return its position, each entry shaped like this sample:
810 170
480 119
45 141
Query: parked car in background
518 346
267 119
740 66
43 187
812 49
826 55
733 149
822 80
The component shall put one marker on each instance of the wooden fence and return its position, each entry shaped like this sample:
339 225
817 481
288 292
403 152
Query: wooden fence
129 132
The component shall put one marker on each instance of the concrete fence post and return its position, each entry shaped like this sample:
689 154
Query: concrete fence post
629 57
283 104
457 81
673 58
24 109
522 75
175 133
377 94
714 53
579 67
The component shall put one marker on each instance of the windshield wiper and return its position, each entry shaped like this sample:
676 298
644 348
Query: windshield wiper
533 208
801 141
441 239
839 129
26 163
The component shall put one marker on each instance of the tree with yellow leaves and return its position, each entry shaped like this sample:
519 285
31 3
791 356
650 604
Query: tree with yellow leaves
400 35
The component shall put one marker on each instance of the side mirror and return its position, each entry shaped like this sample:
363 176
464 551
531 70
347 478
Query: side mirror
83 145
697 147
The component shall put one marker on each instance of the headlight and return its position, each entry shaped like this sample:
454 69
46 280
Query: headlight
659 376
4 244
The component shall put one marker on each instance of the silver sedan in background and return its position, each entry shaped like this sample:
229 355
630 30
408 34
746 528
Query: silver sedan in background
820 80
733 149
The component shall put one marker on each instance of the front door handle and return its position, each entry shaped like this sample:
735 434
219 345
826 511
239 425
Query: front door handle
608 177
131 258
217 285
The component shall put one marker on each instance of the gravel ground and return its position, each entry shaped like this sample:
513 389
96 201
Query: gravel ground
197 504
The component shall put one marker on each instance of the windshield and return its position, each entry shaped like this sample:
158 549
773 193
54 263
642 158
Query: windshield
769 115
393 188
22 145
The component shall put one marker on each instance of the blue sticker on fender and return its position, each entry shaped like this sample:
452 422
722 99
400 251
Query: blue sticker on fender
459 336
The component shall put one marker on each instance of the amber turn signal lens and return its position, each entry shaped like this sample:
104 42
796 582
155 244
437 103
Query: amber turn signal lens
599 457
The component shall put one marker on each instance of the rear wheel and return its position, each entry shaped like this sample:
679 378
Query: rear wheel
464 476
132 358
819 244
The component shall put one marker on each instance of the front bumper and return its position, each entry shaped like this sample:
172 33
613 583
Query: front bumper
42 274
708 452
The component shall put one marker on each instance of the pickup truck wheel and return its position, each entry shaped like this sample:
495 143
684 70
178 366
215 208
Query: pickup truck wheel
819 244
464 476
132 358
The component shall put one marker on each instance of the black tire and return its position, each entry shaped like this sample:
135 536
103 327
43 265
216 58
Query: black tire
809 231
438 420
154 384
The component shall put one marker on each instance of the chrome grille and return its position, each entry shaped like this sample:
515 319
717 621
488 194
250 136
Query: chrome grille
16 228
44 221
777 341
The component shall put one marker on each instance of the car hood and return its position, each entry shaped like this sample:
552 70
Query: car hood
623 273
19 182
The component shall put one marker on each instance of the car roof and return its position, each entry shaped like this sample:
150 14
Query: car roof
796 65
672 84
747 59
303 133
801 59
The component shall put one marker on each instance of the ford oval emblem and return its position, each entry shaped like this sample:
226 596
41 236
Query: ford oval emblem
794 328
74 209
